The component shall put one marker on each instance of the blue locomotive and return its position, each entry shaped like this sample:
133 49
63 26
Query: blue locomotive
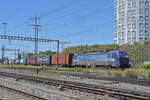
114 58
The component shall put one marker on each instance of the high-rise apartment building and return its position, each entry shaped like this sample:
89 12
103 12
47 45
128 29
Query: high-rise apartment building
132 21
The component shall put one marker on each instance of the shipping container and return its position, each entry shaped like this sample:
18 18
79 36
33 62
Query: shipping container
31 60
44 60
6 62
17 61
13 61
23 61
9 62
64 59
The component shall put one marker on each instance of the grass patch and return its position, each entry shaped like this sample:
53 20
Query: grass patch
132 72
145 66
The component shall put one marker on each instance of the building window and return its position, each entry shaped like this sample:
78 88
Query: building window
122 34
146 32
133 36
122 26
146 4
129 40
129 13
133 26
133 19
146 25
129 33
141 39
119 20
120 1
129 26
119 8
141 4
141 33
141 26
146 12
133 1
146 18
129 0
129 5
119 28
134 5
123 13
141 18
146 38
133 12
122 20
141 11
129 19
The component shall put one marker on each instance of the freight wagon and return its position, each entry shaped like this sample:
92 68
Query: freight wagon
13 61
64 59
31 60
23 61
6 62
44 60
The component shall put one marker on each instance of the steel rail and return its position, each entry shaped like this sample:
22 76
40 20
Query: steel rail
22 93
143 82
95 89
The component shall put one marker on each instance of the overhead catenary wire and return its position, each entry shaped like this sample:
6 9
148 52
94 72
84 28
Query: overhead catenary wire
78 19
95 27
76 11
45 14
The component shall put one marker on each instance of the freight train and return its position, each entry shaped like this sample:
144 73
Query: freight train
113 58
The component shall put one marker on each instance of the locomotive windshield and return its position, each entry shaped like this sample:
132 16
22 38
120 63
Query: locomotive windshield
123 54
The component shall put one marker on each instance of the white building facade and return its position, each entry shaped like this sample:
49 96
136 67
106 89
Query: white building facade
132 21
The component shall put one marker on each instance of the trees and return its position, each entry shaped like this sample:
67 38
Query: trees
42 53
47 52
146 42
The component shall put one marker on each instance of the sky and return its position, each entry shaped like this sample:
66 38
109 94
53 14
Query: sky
79 22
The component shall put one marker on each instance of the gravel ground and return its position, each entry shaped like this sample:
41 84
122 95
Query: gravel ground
89 81
125 86
7 95
49 92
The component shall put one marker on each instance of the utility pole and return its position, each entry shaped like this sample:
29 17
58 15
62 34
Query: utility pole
63 43
58 42
3 52
4 31
8 49
36 26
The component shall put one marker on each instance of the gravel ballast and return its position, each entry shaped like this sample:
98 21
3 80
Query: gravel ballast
124 86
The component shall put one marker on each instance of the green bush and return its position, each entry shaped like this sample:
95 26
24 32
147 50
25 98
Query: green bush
118 74
130 74
145 66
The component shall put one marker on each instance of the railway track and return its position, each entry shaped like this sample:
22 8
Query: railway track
95 89
143 82
33 97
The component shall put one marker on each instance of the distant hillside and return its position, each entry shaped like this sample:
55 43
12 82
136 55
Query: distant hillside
137 52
